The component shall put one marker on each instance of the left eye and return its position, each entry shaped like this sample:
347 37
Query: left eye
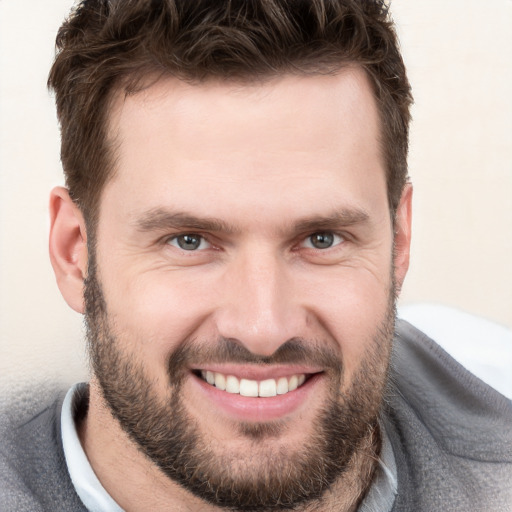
189 242
322 240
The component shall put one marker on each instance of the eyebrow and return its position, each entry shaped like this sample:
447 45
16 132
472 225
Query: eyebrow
160 219
343 217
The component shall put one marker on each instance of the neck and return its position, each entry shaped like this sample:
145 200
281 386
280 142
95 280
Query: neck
135 483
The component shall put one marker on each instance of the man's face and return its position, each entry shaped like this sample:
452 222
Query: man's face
244 248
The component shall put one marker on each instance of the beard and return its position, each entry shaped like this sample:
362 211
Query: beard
266 475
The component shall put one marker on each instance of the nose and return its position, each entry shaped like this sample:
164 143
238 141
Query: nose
260 304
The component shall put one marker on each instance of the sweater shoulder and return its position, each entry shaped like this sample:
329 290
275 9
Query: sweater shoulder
33 470
450 431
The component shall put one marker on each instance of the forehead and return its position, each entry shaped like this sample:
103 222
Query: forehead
292 132
327 106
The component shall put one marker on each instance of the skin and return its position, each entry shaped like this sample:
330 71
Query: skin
272 163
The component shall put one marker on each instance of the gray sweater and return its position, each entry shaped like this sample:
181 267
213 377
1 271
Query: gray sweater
451 436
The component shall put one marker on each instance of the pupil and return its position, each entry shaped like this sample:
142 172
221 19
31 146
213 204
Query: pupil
322 240
189 242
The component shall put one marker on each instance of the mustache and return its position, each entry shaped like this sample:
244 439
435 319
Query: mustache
230 350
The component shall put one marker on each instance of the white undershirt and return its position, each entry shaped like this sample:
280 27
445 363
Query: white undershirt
380 497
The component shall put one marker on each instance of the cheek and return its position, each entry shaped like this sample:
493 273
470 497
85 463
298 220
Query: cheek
156 311
353 307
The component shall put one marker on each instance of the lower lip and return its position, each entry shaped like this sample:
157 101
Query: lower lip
258 409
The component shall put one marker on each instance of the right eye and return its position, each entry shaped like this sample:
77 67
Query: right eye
322 240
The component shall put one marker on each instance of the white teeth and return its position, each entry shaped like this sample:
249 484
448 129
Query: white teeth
282 386
253 388
232 384
248 387
268 388
220 381
293 383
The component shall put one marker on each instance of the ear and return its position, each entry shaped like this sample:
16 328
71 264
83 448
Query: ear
68 247
402 240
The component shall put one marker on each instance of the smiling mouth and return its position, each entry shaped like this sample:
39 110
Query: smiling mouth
253 388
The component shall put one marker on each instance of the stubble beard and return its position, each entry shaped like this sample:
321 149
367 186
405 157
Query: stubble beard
266 476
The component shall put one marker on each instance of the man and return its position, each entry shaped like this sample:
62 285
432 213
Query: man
236 229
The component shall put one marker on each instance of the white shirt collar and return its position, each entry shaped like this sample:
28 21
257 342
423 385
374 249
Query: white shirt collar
87 485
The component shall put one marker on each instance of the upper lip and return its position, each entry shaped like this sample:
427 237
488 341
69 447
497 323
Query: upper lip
258 372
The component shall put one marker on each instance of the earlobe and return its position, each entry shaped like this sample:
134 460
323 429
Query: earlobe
402 236
68 247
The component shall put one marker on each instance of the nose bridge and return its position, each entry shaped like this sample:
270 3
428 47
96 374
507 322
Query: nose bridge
259 309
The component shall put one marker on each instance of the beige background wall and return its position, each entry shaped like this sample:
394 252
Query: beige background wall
458 55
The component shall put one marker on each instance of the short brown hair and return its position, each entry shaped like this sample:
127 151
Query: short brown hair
110 45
